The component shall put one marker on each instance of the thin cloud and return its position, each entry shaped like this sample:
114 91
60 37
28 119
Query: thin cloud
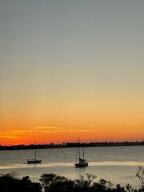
67 130
8 137
47 127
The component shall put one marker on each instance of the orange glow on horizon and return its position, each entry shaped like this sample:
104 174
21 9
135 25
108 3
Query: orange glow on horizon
90 121
59 134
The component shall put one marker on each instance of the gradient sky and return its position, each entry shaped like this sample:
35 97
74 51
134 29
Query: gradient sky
71 68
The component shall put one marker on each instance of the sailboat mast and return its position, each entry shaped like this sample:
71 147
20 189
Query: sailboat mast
83 152
79 148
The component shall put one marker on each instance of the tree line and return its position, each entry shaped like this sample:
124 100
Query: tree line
71 145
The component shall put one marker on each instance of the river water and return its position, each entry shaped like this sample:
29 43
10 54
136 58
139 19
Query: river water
117 164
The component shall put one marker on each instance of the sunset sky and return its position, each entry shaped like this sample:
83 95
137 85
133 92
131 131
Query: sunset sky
71 68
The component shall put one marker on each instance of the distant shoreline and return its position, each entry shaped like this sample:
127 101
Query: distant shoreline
71 145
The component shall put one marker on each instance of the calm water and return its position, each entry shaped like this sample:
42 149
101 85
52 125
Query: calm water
118 164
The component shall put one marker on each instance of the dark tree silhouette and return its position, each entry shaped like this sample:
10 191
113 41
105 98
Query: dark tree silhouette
8 183
54 183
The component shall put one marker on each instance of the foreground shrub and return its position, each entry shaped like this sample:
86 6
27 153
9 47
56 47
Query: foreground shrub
87 183
54 183
9 183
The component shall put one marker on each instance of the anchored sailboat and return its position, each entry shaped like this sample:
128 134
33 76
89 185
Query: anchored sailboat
81 161
35 160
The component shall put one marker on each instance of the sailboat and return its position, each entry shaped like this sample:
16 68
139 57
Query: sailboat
81 161
35 160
